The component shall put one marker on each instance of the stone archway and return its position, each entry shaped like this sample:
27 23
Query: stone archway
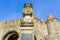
12 35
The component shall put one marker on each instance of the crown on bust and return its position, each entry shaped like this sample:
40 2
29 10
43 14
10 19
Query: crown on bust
28 5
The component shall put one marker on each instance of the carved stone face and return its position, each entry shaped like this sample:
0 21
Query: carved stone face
27 9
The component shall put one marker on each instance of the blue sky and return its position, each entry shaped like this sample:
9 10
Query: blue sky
12 9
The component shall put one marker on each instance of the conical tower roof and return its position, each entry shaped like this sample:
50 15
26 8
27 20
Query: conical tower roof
42 21
50 17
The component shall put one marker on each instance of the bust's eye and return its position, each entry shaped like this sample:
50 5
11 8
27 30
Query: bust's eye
26 6
29 6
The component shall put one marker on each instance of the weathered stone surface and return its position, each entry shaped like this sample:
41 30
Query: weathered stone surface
49 30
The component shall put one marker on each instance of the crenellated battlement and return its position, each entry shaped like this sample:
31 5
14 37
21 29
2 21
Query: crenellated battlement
10 22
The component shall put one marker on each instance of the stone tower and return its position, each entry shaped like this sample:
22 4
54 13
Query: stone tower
53 28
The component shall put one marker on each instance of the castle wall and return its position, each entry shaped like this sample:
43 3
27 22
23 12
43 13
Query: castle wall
8 26
29 24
